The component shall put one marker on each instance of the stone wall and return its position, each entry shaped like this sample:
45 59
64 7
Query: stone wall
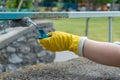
19 47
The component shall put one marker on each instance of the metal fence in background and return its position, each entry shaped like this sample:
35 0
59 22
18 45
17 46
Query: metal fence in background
87 15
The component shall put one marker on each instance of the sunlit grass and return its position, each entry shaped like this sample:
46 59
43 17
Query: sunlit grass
98 27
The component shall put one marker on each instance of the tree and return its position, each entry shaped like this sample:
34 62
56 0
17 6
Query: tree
104 1
117 1
14 4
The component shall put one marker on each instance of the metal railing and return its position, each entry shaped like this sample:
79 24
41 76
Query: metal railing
87 15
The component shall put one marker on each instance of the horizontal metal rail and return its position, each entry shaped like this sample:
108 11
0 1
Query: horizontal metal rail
20 15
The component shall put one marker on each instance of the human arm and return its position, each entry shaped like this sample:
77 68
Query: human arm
100 52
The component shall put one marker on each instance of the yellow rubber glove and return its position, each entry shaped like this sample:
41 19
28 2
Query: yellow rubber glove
60 41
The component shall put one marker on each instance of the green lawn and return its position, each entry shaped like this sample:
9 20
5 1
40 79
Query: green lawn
98 27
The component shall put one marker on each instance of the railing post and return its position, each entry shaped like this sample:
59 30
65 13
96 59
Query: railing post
109 29
87 25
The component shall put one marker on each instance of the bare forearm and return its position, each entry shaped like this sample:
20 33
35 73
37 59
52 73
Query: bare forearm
102 52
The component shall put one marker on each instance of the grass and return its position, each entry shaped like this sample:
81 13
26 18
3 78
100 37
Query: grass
98 27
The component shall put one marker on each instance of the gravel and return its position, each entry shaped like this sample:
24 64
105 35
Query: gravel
75 69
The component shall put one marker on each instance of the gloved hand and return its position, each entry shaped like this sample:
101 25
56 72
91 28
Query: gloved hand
60 41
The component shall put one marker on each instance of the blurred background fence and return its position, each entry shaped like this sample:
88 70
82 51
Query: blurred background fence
66 6
60 5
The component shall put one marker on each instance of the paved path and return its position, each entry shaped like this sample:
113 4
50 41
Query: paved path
64 56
